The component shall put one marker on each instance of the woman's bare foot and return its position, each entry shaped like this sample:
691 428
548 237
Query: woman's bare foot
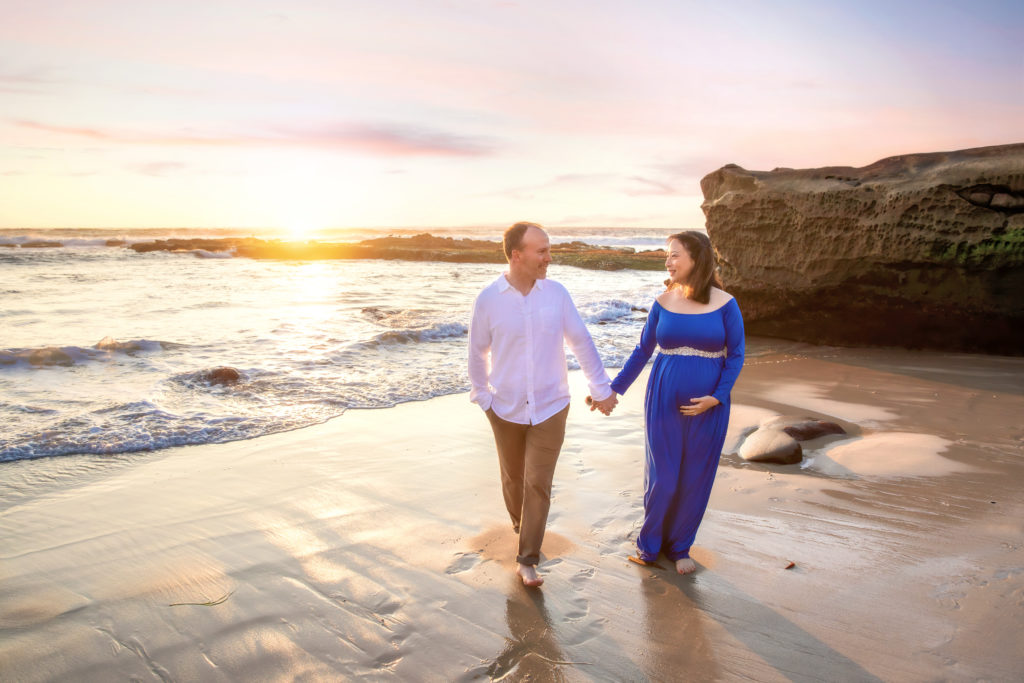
685 565
529 575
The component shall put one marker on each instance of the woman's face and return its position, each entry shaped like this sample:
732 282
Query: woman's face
678 263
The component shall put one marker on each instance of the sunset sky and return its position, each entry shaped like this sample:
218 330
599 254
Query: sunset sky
245 113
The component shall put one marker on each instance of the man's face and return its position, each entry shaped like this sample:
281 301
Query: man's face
533 258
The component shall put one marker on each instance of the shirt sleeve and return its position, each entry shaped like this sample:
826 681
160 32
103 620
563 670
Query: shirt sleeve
641 354
735 348
479 352
583 348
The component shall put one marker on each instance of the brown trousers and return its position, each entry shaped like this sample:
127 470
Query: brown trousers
527 455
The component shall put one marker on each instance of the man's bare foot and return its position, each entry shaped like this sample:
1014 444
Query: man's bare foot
529 575
685 565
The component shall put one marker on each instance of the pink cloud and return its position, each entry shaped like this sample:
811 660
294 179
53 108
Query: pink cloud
26 81
562 181
394 140
371 139
650 187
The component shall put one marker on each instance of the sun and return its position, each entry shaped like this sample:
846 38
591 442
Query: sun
301 231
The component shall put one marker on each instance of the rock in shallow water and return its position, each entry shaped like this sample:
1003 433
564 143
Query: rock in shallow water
771 445
222 375
920 251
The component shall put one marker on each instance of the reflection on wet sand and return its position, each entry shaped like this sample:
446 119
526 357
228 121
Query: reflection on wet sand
675 638
559 632
532 649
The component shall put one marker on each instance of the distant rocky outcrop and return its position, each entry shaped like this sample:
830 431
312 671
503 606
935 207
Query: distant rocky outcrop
424 247
920 251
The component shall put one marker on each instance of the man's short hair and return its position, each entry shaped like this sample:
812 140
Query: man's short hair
513 239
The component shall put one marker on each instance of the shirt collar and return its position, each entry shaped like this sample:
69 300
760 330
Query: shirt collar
504 285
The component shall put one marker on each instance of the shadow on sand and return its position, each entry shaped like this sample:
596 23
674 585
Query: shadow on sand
787 648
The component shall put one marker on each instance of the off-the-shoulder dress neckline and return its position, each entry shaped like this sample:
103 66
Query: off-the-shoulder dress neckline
713 310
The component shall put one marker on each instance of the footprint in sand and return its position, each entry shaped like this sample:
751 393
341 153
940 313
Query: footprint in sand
579 579
587 630
463 563
581 469
600 524
578 608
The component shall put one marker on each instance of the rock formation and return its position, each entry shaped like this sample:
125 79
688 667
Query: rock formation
771 445
776 438
920 251
222 375
422 247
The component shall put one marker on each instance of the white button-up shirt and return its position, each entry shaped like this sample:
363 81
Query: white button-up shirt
526 380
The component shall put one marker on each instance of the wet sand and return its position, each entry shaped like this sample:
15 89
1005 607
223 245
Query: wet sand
376 546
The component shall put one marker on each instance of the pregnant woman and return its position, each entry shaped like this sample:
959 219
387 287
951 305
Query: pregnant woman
699 330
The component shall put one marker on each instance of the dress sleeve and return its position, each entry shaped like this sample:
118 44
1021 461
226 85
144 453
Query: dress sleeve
735 346
479 351
641 354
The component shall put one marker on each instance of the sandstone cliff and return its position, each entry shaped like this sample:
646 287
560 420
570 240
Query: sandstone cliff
921 250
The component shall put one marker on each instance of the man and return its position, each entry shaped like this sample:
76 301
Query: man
522 321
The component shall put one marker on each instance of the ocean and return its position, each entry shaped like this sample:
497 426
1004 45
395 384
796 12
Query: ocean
106 351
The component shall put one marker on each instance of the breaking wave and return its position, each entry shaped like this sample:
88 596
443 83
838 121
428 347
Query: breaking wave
72 355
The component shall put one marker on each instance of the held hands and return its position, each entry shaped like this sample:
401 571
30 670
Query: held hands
699 405
605 406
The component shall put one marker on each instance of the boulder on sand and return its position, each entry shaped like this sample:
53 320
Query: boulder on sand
771 445
802 428
776 438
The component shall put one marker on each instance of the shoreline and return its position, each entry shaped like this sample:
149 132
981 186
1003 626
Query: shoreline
376 544
772 349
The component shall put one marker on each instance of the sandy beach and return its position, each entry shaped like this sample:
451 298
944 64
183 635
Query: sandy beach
376 546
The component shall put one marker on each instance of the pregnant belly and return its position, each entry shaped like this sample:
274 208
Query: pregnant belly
677 379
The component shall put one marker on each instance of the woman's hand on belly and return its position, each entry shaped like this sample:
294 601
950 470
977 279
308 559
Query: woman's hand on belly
699 405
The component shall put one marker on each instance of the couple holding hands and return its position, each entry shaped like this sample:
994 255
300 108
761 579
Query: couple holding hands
520 325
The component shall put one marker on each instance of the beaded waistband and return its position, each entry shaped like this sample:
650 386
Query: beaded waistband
690 351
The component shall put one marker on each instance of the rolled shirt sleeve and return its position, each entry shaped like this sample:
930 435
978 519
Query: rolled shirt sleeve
479 356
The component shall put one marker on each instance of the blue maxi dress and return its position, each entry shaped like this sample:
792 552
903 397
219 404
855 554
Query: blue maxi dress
682 452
